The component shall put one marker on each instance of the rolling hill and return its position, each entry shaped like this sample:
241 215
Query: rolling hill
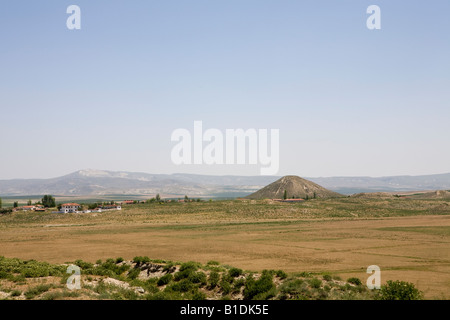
295 187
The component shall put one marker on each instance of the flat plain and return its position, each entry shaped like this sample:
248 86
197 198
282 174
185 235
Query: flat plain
408 239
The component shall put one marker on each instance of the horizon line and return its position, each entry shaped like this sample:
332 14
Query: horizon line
228 175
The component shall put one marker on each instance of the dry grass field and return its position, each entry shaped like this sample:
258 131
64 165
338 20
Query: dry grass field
408 239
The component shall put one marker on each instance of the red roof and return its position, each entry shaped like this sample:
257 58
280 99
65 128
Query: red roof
70 204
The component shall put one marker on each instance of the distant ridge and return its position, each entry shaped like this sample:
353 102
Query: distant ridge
294 187
102 182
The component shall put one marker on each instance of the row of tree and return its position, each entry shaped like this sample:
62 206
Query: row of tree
47 201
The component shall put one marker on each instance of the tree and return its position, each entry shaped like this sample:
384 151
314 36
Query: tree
48 201
0 203
399 290
16 204
93 206
186 199
285 194
158 198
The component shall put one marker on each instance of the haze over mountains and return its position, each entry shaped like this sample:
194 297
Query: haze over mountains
101 182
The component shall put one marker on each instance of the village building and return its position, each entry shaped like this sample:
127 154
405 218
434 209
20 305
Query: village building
70 207
39 208
111 207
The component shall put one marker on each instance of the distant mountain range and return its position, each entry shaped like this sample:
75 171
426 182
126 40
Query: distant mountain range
100 182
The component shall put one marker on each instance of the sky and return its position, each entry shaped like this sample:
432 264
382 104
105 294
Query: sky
347 101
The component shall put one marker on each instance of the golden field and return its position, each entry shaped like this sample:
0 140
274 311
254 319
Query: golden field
408 239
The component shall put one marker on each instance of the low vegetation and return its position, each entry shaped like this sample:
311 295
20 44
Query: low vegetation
147 279
334 236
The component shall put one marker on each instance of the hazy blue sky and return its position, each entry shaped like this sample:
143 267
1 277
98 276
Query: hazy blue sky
347 100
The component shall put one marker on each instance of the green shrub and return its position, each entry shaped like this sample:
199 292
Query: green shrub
183 285
52 296
34 273
141 260
119 260
293 287
28 269
182 275
60 295
225 287
124 294
168 267
110 268
327 277
354 281
133 273
165 279
239 283
227 278
322 294
186 269
151 287
235 272
212 263
266 295
199 296
190 265
305 274
399 290
254 288
83 265
164 295
198 277
18 279
15 293
315 283
213 280
281 274
33 292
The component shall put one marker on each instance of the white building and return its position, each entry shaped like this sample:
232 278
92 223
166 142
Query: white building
70 207
111 207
